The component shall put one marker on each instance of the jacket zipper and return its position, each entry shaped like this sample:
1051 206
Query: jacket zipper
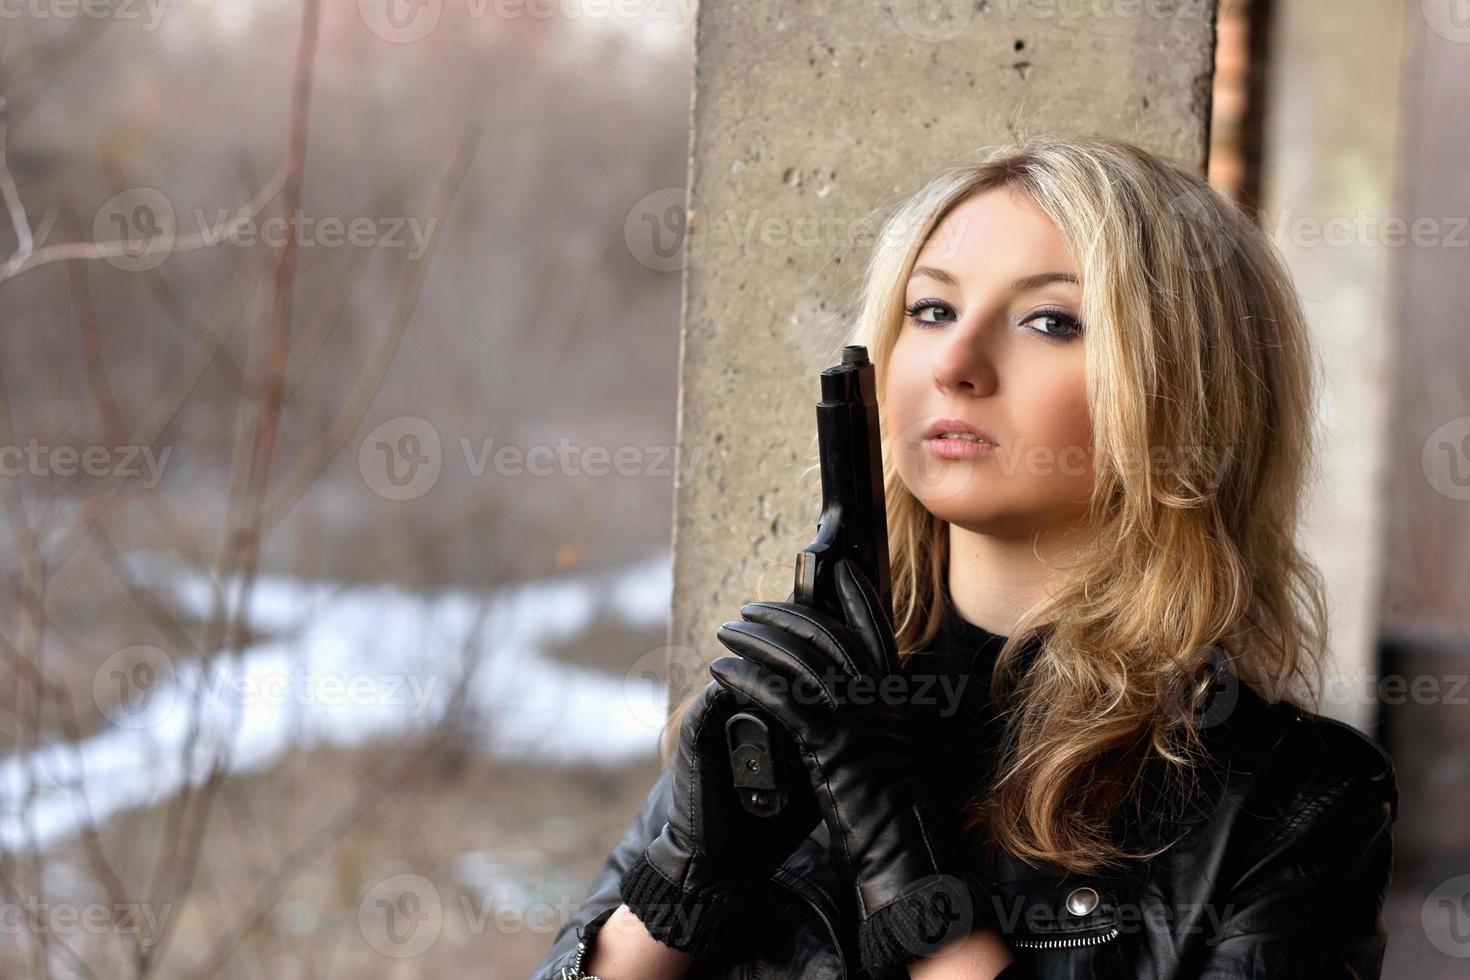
574 971
795 884
1066 943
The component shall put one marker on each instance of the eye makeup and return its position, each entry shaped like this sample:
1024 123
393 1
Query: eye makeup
1072 325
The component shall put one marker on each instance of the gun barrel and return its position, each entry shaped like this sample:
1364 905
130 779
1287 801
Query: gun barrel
853 525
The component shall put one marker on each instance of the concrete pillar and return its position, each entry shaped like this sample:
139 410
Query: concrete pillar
806 118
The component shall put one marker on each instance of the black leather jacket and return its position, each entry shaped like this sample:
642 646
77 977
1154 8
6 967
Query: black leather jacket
1280 871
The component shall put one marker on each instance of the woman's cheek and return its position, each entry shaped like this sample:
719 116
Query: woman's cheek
1056 436
1073 443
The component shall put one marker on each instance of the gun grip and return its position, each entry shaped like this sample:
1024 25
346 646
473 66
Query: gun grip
755 763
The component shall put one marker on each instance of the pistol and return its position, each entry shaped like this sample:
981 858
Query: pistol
853 525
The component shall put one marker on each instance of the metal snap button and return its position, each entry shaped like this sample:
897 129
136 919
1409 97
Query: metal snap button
1082 900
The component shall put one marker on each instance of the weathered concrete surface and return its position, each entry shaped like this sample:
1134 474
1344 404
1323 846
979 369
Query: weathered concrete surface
806 118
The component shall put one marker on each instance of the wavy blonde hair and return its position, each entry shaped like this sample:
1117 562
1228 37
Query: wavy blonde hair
1197 357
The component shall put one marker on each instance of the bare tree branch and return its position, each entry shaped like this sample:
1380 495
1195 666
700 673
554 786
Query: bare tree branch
28 257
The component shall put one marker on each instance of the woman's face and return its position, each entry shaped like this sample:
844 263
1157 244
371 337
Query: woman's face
991 337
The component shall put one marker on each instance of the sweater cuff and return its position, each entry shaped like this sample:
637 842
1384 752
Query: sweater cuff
936 912
699 923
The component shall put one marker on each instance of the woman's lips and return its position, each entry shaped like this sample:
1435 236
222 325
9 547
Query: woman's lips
959 448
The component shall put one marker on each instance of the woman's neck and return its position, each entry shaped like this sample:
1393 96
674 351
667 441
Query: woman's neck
994 582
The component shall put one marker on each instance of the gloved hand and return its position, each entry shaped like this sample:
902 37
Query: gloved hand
831 684
704 870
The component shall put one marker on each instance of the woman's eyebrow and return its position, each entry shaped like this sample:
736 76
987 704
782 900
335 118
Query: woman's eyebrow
1024 284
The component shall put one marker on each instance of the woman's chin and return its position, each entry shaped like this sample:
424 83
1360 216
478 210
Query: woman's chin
978 516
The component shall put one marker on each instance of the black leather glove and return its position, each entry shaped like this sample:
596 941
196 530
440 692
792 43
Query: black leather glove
697 879
824 680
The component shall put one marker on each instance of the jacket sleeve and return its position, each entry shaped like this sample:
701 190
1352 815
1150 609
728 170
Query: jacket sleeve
603 896
1310 904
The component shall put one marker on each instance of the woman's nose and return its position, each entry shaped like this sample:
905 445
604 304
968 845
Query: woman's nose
964 365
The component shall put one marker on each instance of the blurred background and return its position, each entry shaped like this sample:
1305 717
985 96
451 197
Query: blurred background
336 550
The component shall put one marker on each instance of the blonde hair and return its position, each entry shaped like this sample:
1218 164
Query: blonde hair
1196 349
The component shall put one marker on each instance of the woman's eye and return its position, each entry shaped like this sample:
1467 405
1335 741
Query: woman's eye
1070 327
914 310
1056 324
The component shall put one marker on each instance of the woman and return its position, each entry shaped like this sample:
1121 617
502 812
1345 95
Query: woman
1096 388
